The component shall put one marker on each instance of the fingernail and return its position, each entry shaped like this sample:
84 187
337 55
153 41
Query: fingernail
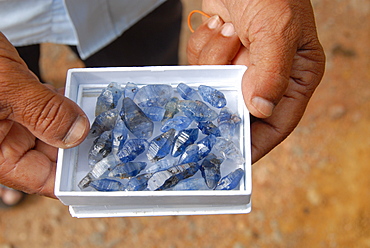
77 131
214 22
264 106
228 30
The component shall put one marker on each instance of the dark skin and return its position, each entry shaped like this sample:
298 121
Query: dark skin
278 42
276 39
35 120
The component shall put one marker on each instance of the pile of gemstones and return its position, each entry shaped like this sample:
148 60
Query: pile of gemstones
186 155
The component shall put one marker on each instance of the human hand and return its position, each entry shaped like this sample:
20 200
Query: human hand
277 40
34 121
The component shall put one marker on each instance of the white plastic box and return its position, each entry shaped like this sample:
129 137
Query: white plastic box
84 86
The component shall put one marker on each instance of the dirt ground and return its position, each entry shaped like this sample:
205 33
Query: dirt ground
311 191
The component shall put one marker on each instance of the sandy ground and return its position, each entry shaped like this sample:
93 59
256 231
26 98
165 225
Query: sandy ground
311 191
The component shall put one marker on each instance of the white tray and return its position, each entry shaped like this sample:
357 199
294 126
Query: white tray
84 85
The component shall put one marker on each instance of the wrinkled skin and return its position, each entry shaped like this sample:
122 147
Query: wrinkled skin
278 42
34 121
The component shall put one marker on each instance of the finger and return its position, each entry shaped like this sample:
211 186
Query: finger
48 115
268 133
201 37
271 37
50 152
38 180
221 48
26 164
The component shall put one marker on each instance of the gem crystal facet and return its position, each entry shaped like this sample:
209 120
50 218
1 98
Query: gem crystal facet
135 119
177 152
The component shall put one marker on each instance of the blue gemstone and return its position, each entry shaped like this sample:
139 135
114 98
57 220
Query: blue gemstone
205 145
230 181
187 92
166 179
131 149
103 122
108 99
197 110
126 170
178 123
171 109
160 165
191 183
227 123
183 139
214 97
191 154
139 182
229 150
130 90
154 113
207 128
119 136
101 147
153 95
210 169
161 145
135 119
100 168
106 184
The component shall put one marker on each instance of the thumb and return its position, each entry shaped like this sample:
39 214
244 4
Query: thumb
272 45
49 116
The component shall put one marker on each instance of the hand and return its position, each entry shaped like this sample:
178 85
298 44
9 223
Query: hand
34 121
277 40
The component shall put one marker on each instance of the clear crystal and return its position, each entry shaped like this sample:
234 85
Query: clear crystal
126 170
229 150
197 110
165 179
210 169
171 109
191 154
214 97
108 99
178 123
119 136
103 122
161 145
101 147
153 95
154 113
135 119
138 183
230 181
207 128
130 90
183 139
131 149
205 145
191 184
106 184
99 169
187 92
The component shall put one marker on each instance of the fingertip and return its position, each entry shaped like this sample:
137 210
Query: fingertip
77 132
263 107
228 30
214 22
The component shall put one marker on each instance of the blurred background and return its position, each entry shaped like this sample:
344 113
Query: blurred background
310 191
